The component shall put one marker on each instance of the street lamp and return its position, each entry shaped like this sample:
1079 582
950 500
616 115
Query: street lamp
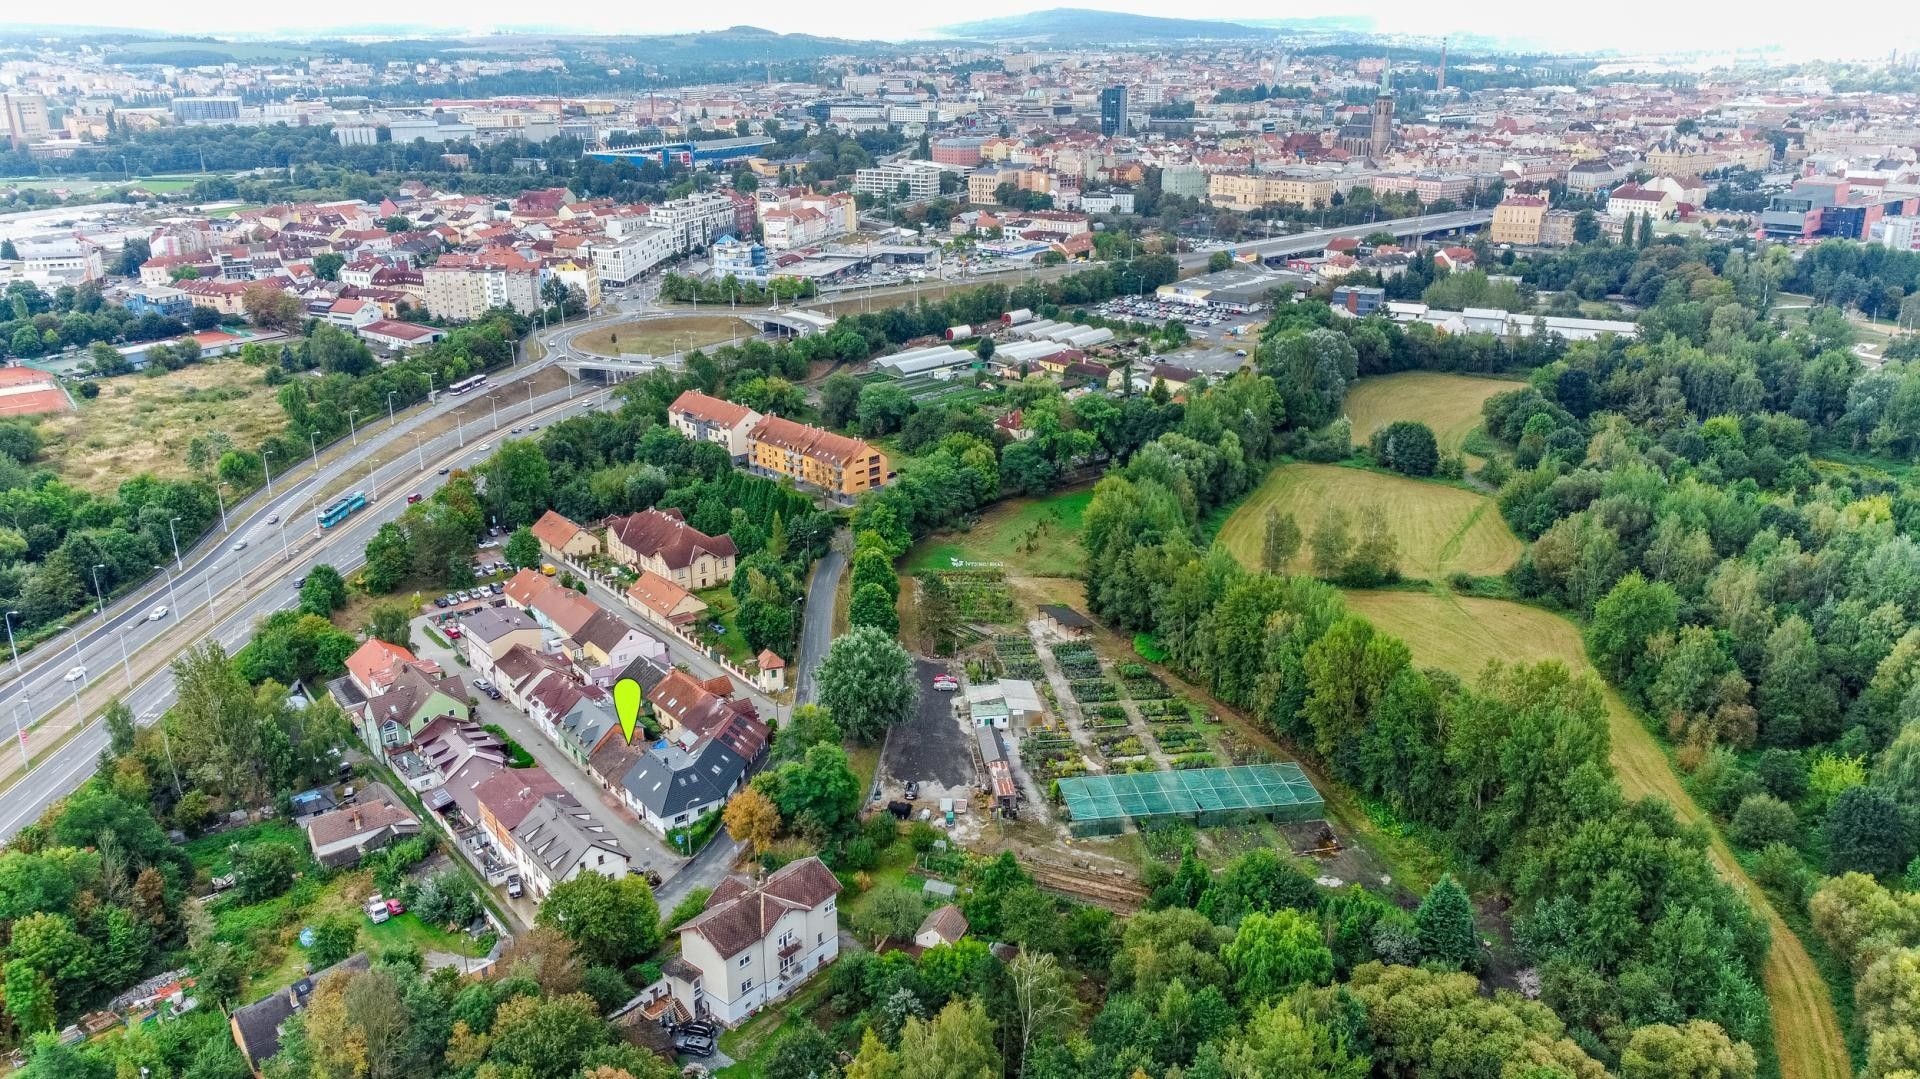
171 601
207 580
265 453
419 457
313 440
15 649
102 608
353 428
126 665
171 531
224 527
390 394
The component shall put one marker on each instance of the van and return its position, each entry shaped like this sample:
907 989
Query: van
549 569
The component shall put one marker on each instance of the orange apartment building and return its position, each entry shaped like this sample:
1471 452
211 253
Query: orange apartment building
834 463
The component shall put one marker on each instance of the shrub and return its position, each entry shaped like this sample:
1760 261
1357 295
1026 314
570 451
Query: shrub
1783 772
1761 820
1778 868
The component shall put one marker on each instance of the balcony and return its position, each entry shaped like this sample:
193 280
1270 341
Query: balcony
790 949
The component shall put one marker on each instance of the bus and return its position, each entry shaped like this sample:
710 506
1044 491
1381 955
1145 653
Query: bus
341 509
466 384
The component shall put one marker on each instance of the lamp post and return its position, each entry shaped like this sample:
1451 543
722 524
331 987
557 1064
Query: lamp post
101 607
172 602
264 454
494 400
208 582
10 645
353 428
177 564
126 665
222 498
20 736
390 394
313 440
419 456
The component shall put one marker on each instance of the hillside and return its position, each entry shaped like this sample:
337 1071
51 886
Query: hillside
1084 25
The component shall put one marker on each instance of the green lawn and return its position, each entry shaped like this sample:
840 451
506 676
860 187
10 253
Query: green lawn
751 1044
213 853
724 609
1029 537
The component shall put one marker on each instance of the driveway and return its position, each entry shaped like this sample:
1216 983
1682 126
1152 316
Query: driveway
644 848
932 748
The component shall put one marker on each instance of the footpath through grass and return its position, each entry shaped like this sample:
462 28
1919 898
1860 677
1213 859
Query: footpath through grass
1461 634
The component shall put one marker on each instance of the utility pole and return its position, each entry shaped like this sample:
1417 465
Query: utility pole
178 565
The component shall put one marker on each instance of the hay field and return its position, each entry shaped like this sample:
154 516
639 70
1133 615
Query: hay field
1461 634
1441 529
1450 404
141 424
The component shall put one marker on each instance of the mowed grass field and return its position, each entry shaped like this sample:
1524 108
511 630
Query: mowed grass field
140 424
1030 537
1441 529
663 336
1461 634
1450 404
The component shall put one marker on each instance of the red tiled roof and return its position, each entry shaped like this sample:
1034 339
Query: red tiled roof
809 441
657 534
738 915
709 409
554 530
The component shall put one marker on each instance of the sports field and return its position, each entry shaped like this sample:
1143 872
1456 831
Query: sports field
1441 529
663 336
1461 634
1450 404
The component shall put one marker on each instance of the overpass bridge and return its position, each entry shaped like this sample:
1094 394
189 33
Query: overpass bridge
1301 243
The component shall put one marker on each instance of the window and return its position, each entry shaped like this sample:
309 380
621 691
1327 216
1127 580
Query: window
747 985
745 959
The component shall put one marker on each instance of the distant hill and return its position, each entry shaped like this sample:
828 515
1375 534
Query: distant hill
1069 24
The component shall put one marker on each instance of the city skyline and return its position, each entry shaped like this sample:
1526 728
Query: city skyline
1684 31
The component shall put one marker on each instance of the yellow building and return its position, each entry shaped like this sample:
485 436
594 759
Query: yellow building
1517 220
844 466
1250 192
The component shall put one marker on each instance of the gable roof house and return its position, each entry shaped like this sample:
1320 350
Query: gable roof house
341 837
663 542
606 640
710 419
664 603
561 538
256 1026
756 943
559 840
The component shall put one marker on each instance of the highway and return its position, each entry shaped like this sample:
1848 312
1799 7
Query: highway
249 571
235 577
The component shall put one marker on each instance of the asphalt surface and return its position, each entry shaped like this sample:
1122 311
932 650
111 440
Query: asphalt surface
816 620
243 586
931 747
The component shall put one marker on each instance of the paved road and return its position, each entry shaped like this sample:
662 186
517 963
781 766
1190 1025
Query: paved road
242 586
816 621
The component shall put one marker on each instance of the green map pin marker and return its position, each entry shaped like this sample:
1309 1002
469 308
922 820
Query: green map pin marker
626 702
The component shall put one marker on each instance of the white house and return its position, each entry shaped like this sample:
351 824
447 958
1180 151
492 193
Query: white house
559 840
756 943
709 419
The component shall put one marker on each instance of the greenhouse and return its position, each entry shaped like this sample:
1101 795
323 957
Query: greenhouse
1209 797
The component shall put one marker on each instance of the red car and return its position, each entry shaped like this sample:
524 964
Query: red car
394 906
453 632
412 498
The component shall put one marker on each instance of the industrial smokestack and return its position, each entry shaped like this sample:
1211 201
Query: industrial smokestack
1441 83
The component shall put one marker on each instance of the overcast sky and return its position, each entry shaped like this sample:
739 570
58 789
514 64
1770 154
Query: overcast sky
1868 28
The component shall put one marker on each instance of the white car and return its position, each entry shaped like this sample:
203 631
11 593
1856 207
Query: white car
157 613
77 673
241 546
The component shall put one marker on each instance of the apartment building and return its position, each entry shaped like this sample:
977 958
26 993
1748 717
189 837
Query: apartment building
883 181
620 260
834 463
26 119
756 943
460 287
661 541
695 220
1250 192
710 419
1518 219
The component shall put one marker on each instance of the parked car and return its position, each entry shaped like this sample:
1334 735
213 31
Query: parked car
693 1043
453 633
482 684
945 683
493 694
514 889
913 790
394 906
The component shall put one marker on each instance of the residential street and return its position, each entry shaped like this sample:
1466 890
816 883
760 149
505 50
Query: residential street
816 621
646 850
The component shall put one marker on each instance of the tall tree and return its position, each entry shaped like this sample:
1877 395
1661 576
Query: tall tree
1444 926
1280 542
867 683
614 923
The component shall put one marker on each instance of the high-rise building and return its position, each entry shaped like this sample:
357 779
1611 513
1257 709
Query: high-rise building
26 119
1113 111
1383 113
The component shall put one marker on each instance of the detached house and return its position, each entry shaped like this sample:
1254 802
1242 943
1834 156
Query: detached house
392 695
664 603
756 943
662 542
561 538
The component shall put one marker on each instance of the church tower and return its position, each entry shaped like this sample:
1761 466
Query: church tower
1382 140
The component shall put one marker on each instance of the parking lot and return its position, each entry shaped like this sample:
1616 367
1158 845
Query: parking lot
932 749
1208 322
